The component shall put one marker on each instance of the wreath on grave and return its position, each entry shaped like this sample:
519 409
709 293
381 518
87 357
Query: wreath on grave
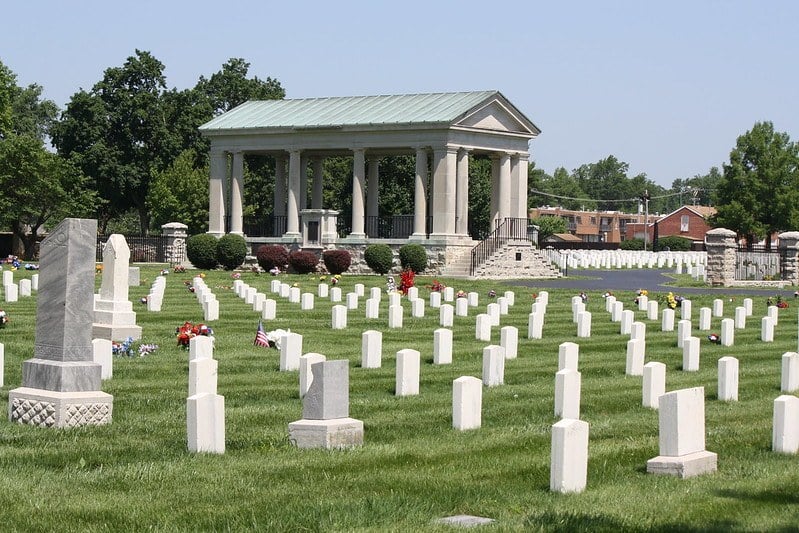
407 278
3 318
188 331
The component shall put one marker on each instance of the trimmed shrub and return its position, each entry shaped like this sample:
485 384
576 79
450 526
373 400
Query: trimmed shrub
303 262
413 256
674 243
231 251
379 258
201 250
632 244
270 256
337 261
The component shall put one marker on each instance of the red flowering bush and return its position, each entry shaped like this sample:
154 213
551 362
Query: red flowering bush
270 256
337 261
303 262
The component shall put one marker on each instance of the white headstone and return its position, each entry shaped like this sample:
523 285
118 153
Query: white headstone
275 286
249 297
394 298
482 327
766 329
747 303
201 347
567 394
375 293
395 316
652 310
790 372
435 299
473 298
493 365
352 300
290 351
360 290
774 312
24 287
205 421
446 315
727 332
307 301
683 332
627 318
740 317
335 294
285 290
610 301
704 318
449 294
35 282
785 434
339 317
417 308
643 302
11 293
442 346
618 309
635 357
685 309
654 384
503 305
202 376
492 310
371 349
306 375
413 293
102 355
535 325
407 378
682 422
461 307
568 356
211 310
718 307
584 325
728 379
510 296
269 310
568 470
467 403
323 290
509 340
667 323
638 331
294 295
372 308
690 354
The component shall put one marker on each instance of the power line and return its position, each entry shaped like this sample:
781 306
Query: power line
635 199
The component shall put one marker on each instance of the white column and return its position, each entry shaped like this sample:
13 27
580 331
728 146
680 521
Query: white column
293 203
303 182
316 197
280 185
494 191
372 188
420 195
237 194
503 195
518 193
444 159
358 171
216 193
462 193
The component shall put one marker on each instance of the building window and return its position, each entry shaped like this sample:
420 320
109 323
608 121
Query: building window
593 220
684 222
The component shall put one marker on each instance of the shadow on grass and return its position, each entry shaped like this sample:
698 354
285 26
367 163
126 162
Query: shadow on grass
765 496
550 521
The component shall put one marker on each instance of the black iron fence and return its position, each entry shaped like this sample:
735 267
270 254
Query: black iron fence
143 248
510 229
271 226
756 263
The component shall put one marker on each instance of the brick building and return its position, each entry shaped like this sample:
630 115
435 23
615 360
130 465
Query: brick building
689 221
593 226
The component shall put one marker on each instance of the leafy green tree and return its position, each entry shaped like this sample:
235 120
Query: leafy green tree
38 188
180 194
759 193
230 87
479 196
548 226
565 191
8 84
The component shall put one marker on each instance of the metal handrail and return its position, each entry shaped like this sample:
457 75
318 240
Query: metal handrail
507 230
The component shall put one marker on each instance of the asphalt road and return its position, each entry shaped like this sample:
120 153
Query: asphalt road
653 280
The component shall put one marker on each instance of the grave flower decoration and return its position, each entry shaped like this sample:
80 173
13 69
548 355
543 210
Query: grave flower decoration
461 294
322 278
273 337
391 285
534 295
147 349
188 331
164 272
437 286
178 269
274 271
782 304
492 293
31 266
606 294
714 338
202 275
3 318
406 280
123 348
639 293
98 269
671 301
143 300
584 297
255 269
335 279
236 275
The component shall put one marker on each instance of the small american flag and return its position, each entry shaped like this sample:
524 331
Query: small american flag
260 336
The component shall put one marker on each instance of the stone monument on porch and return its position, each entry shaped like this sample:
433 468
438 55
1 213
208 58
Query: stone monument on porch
114 318
61 383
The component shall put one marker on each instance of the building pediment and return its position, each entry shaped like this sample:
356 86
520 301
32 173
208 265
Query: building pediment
494 115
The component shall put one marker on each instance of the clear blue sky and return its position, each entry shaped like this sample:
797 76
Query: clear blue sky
665 86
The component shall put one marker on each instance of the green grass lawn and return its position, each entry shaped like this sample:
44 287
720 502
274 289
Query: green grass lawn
136 474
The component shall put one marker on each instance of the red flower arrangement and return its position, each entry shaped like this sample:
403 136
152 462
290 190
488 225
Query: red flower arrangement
437 286
188 331
407 278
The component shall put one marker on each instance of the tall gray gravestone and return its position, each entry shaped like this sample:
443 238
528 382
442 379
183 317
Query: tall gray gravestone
114 318
61 383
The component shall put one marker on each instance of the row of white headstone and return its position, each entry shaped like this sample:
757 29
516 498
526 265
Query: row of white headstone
609 259
206 298
205 409
155 298
13 291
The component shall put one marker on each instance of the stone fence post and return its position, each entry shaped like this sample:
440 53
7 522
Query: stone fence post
175 234
721 250
789 249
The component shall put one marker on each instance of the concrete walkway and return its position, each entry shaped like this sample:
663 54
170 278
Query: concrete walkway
653 280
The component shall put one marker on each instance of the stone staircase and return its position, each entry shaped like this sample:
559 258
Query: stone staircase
516 259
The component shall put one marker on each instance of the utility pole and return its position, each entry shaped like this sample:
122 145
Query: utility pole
645 198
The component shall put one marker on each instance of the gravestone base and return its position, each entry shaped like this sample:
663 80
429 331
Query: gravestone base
330 434
683 466
117 332
44 408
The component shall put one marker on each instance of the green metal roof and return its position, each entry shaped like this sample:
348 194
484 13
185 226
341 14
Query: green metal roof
352 111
